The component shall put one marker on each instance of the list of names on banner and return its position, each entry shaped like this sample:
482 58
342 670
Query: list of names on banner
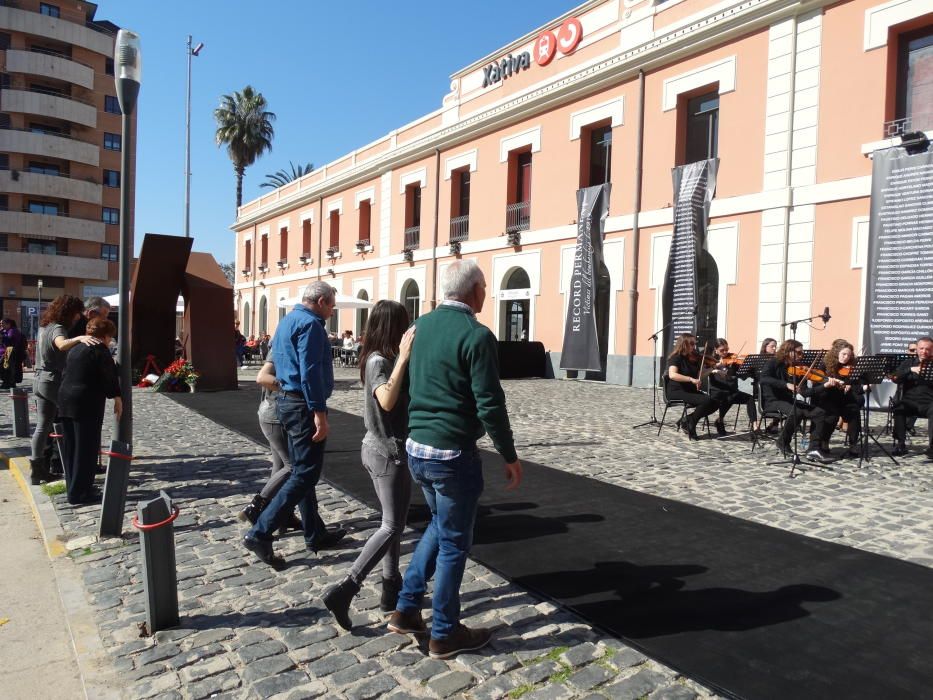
682 263
900 265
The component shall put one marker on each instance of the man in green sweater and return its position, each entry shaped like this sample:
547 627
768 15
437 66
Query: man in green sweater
456 397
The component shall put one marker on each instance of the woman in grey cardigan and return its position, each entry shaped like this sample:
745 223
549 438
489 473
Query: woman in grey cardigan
383 363
52 347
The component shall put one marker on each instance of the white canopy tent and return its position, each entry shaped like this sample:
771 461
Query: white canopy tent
343 302
114 301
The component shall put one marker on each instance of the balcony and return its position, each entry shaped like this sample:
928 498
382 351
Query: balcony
48 104
90 38
517 217
58 186
412 237
43 264
50 146
50 65
26 223
460 228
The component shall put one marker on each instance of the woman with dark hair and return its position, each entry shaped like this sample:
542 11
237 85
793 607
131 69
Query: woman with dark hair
90 379
383 363
838 398
52 346
768 346
14 352
686 378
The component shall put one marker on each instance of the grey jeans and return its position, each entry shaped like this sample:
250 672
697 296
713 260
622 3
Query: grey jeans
46 394
281 464
392 481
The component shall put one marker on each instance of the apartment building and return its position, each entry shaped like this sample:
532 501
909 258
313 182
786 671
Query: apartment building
60 149
792 97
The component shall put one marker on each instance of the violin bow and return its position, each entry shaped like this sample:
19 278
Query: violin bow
804 377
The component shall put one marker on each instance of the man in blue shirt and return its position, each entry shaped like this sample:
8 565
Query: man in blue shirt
304 369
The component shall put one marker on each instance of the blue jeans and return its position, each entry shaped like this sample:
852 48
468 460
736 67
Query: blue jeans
451 489
307 464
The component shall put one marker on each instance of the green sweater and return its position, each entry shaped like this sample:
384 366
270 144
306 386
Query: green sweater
455 392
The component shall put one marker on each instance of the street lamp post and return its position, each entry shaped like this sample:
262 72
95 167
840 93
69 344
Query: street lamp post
39 309
128 63
191 52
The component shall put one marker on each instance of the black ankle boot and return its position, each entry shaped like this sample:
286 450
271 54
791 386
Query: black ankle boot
38 471
292 522
253 510
390 590
337 599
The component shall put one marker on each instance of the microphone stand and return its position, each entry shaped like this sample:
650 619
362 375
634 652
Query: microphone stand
654 368
795 460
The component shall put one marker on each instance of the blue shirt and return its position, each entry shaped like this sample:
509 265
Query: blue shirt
302 357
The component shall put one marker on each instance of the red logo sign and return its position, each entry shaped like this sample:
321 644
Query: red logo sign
545 46
569 35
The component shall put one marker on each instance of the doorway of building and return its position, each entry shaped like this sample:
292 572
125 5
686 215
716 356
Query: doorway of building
246 319
362 315
411 299
707 300
263 316
515 306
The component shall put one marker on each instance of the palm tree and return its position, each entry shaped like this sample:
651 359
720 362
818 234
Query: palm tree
244 125
283 177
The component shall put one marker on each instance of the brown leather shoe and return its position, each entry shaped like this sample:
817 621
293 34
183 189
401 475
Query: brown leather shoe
407 622
461 639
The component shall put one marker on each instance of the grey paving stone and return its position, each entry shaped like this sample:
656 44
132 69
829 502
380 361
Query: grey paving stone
554 691
160 652
311 653
331 664
538 672
428 668
345 642
209 667
155 686
213 685
404 658
582 654
267 666
308 691
260 650
673 692
626 658
371 688
194 655
381 645
590 676
452 682
146 671
355 673
280 683
641 684
496 688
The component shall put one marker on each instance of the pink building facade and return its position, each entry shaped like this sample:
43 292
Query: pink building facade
791 97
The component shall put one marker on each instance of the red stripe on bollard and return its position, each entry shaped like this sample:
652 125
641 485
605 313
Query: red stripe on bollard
139 526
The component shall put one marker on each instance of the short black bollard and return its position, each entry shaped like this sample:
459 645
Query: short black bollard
154 521
20 413
115 485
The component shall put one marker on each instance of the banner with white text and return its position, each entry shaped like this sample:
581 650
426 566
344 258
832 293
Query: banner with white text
581 349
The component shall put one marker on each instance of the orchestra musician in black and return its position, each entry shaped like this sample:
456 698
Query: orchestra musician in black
724 386
916 396
838 397
686 379
779 387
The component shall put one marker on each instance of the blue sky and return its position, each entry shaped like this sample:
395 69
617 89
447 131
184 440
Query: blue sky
337 75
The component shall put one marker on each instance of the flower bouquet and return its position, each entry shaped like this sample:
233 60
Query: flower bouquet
178 376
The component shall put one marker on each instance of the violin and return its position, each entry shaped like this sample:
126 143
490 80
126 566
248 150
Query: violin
807 373
731 358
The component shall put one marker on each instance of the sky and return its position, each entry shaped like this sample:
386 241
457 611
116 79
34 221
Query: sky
338 75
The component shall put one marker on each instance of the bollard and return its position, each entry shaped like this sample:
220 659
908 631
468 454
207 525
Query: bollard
20 413
118 478
154 521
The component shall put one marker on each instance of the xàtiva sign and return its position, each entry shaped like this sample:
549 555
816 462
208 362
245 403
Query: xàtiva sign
545 47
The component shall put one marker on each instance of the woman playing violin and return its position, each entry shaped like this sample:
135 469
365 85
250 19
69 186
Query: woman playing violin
779 389
724 387
686 378
837 397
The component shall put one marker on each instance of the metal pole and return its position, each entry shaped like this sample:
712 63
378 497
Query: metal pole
188 147
125 423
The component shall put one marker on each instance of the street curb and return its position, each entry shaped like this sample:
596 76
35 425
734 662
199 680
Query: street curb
89 650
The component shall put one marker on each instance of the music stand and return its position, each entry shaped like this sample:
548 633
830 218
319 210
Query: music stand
810 355
750 369
869 370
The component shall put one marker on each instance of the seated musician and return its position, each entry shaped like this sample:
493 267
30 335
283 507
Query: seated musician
724 388
916 396
838 398
779 388
686 379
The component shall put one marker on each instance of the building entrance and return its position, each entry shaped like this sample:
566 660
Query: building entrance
515 306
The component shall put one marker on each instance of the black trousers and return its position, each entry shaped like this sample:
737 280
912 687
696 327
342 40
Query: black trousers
816 415
727 401
850 412
905 408
703 403
81 447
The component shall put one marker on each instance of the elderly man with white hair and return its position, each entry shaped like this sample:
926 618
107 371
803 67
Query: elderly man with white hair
456 397
304 369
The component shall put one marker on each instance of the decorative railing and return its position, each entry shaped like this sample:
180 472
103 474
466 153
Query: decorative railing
412 237
517 217
460 228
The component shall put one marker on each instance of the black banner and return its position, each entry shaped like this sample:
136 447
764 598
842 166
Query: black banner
899 268
694 186
581 349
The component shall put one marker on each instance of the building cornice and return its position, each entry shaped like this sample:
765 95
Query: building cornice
610 69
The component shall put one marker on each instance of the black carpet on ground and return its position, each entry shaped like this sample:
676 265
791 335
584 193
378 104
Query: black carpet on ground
749 610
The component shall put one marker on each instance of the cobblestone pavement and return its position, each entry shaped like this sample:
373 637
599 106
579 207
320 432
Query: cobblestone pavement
250 632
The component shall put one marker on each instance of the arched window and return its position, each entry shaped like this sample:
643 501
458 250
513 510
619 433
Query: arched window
263 320
515 307
246 318
282 309
362 315
411 299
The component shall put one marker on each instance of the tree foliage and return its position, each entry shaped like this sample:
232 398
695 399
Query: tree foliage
283 177
244 125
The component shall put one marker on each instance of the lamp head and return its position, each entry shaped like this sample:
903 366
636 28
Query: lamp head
127 56
197 49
